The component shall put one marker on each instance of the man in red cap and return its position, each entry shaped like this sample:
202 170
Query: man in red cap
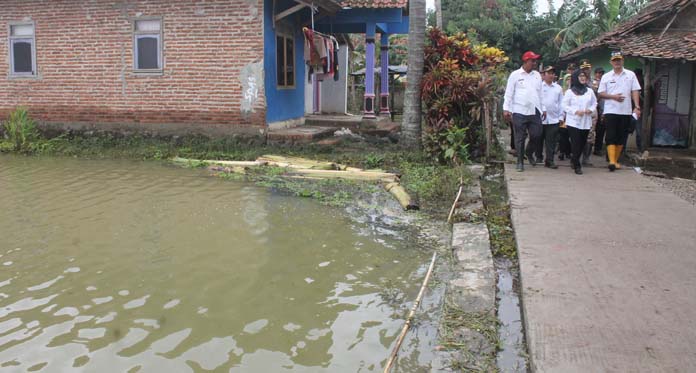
523 106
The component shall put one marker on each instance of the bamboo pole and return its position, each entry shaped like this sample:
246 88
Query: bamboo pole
297 162
454 205
407 325
401 195
351 175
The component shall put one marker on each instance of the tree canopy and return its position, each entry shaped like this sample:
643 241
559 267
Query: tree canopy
514 26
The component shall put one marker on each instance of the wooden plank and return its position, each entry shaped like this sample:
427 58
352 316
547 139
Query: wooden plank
288 12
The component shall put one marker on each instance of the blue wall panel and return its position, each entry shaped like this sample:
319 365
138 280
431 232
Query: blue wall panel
287 103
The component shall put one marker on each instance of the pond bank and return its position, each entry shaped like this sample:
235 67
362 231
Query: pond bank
430 183
481 330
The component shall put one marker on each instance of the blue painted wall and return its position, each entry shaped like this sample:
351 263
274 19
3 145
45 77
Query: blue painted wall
282 104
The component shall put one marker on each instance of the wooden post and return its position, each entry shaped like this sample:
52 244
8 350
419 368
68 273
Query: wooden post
647 114
488 127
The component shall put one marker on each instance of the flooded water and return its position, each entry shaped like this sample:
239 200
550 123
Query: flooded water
122 266
512 355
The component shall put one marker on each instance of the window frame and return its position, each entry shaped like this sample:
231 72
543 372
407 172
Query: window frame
159 35
285 37
10 49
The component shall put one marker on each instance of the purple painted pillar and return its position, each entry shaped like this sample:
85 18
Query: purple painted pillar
369 112
384 77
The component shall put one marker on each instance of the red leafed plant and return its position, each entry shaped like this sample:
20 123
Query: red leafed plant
455 83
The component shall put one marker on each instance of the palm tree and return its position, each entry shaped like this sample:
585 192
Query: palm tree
411 122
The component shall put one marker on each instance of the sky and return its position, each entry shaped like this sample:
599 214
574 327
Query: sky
542 5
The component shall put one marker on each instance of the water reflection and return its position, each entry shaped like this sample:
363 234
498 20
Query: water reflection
125 266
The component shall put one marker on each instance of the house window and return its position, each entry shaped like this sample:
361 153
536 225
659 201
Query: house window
147 45
285 61
22 50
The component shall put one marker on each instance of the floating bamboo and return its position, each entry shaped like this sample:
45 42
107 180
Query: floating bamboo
296 162
401 195
349 175
409 319
309 169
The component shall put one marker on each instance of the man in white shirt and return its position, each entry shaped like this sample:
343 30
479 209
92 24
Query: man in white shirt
617 88
551 98
522 106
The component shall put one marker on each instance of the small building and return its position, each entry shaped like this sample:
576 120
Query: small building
661 41
215 67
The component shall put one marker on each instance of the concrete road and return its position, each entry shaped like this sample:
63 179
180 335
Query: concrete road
608 271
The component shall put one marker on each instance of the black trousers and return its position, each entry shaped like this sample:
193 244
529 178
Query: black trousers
548 142
578 139
617 128
599 138
563 141
524 124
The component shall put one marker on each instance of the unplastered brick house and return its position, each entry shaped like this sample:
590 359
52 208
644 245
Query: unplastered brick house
171 67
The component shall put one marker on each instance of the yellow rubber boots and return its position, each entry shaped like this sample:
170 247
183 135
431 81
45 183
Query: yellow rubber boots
611 153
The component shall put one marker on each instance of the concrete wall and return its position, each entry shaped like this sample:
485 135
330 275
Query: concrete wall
212 73
334 94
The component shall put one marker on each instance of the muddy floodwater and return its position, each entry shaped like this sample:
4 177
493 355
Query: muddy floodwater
123 266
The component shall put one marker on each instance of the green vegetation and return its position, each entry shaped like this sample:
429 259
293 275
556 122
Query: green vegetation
20 130
515 27
497 211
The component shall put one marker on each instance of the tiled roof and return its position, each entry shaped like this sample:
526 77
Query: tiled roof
374 3
672 45
644 42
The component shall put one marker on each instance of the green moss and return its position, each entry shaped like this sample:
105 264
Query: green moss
497 212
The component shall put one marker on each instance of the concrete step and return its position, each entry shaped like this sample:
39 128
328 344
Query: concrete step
299 135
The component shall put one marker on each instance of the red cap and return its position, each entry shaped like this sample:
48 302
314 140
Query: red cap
529 55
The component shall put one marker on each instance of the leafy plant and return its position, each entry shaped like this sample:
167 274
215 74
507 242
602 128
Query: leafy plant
374 160
459 77
21 130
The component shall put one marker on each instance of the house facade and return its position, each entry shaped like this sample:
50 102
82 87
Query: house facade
214 67
660 41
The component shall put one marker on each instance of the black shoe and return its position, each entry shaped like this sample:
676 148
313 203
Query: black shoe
561 157
520 167
552 165
612 167
578 170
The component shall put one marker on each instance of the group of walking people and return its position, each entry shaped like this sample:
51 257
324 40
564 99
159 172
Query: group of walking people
588 110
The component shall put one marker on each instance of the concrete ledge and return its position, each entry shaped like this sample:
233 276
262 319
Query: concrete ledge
473 289
470 293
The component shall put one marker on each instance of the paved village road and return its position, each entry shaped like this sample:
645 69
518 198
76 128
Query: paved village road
608 271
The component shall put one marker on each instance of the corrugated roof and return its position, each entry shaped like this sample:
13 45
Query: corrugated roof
374 3
628 38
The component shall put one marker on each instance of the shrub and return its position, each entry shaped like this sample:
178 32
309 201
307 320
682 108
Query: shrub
21 130
458 79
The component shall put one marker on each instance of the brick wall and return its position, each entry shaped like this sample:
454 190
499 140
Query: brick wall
84 54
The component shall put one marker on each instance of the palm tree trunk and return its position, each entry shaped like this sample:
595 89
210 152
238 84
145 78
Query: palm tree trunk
438 14
411 122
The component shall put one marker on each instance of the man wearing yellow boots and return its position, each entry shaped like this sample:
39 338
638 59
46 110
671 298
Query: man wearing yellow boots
617 88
